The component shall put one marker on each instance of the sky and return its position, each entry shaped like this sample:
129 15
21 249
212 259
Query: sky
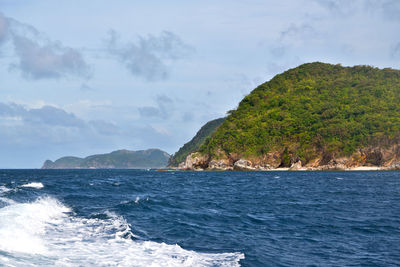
88 77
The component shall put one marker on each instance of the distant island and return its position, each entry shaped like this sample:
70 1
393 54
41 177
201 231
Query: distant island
314 117
120 159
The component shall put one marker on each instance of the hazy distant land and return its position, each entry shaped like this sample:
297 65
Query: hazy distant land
120 159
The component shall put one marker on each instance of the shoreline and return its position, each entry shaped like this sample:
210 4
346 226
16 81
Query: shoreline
359 168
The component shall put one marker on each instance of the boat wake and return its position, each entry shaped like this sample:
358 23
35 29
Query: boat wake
47 233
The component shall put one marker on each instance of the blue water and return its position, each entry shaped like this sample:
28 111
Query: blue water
139 218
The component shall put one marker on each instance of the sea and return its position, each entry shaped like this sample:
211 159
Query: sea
189 218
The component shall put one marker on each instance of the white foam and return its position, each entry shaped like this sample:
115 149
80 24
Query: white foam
4 189
137 200
45 233
33 185
21 225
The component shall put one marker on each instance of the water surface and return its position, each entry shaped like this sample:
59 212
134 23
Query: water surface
140 218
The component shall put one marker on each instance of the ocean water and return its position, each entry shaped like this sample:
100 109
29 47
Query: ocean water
171 218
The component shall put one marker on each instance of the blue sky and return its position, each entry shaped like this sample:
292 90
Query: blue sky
86 77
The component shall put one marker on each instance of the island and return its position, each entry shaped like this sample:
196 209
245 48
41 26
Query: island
316 116
120 159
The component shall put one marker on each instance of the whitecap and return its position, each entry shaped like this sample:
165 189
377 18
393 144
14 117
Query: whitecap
137 200
46 233
36 185
4 189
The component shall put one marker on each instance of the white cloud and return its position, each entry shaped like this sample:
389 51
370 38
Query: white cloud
50 60
149 57
39 57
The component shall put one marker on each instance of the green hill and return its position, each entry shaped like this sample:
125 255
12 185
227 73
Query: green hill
313 113
194 144
120 159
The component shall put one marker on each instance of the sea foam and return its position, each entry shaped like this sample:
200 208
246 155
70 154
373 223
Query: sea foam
33 185
46 233
4 189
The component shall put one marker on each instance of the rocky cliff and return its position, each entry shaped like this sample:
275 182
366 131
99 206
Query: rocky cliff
372 158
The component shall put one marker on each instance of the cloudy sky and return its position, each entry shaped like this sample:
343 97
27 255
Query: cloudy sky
85 77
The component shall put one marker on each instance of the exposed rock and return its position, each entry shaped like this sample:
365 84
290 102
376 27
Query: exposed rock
262 166
296 166
373 156
333 164
243 164
383 158
181 165
394 166
196 161
272 160
219 165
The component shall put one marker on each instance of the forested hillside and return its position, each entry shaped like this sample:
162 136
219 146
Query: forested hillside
194 144
313 110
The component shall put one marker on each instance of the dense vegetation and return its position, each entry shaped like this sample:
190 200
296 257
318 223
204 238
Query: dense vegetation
194 144
120 159
310 109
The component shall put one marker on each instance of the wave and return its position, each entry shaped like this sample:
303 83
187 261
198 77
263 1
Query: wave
136 201
4 189
46 233
33 185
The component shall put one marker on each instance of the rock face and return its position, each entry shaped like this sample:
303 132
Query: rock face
394 166
296 166
196 161
382 158
243 164
222 165
120 159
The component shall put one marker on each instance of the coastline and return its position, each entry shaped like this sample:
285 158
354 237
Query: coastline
358 168
380 160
